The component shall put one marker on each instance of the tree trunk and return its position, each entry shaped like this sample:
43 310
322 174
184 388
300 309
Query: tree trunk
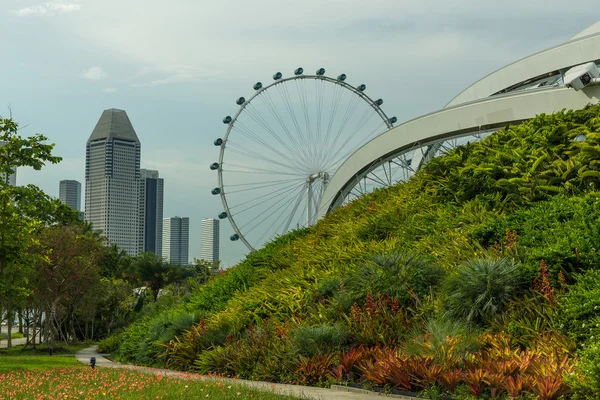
9 316
20 314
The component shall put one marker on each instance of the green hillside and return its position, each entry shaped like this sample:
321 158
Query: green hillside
480 277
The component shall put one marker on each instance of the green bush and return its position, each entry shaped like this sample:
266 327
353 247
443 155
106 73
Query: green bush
319 339
481 288
563 231
586 382
110 344
400 274
579 309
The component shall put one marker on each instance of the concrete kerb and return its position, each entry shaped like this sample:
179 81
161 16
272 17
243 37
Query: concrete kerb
336 392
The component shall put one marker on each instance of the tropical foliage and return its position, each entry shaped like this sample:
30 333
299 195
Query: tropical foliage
477 278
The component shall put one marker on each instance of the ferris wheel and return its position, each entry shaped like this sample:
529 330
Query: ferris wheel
282 146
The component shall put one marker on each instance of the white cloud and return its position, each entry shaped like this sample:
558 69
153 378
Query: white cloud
48 9
109 90
166 74
94 74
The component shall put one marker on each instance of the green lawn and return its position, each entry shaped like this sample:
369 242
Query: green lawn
82 382
14 335
16 358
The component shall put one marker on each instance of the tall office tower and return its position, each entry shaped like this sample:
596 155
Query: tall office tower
176 240
209 239
70 194
151 212
112 180
12 178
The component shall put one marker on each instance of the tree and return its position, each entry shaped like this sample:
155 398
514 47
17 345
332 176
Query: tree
70 270
205 270
23 211
154 272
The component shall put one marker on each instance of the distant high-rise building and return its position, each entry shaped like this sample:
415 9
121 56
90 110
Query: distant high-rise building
209 239
112 180
176 240
151 212
12 178
70 193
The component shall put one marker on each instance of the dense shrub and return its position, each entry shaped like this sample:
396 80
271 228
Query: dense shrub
481 288
579 308
400 274
309 341
109 344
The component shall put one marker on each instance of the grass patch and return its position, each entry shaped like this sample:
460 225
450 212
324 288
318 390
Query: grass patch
83 382
43 350
14 335
32 362
16 358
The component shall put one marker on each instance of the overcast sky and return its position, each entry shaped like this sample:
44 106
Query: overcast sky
178 66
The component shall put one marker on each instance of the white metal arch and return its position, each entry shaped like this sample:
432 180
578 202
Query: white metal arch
482 115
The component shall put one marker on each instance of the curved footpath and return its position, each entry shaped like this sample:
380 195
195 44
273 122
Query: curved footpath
305 392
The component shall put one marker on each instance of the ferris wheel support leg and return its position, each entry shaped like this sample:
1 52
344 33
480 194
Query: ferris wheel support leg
309 201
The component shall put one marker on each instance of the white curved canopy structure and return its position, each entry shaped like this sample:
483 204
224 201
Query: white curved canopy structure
510 95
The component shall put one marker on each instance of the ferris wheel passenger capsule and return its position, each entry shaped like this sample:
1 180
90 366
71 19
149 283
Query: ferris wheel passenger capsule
277 76
299 71
393 120
379 102
223 215
321 71
218 142
342 77
216 191
257 86
362 88
214 166
240 101
234 237
227 119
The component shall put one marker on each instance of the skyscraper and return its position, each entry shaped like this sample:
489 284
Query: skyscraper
176 240
151 212
70 193
209 239
112 180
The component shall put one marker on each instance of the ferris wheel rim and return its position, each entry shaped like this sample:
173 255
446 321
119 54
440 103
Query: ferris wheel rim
231 124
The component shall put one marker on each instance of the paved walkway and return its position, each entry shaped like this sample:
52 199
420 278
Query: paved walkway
305 392
15 342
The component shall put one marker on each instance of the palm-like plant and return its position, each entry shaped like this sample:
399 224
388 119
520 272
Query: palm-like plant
401 274
481 288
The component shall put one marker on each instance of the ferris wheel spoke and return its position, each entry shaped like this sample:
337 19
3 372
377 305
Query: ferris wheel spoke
345 155
281 203
253 188
301 150
256 116
273 195
296 201
248 133
301 88
351 107
283 200
269 228
262 122
293 213
285 95
262 182
251 169
256 155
